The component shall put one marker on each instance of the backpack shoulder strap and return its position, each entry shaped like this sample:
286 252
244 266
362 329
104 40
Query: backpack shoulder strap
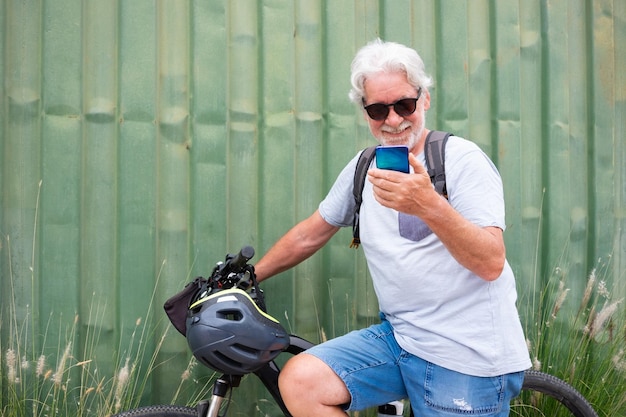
362 165
434 153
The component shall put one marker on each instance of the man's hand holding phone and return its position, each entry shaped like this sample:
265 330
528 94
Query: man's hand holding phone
410 194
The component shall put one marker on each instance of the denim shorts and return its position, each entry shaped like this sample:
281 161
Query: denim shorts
377 371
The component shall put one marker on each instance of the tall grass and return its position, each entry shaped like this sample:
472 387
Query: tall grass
71 382
581 340
43 375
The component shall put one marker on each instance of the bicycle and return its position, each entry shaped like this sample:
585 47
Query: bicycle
540 391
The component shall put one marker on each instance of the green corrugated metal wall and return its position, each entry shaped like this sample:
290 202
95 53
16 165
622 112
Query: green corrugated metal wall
142 140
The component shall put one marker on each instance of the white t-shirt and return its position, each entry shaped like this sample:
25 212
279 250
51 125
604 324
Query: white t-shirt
440 311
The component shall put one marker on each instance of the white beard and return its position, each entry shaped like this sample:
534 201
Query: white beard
410 139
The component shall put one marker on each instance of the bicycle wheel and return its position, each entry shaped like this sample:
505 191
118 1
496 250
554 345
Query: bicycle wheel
545 395
160 411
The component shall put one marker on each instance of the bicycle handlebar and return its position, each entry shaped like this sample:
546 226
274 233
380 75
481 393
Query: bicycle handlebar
235 272
237 263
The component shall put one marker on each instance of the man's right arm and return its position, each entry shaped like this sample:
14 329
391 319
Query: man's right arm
302 241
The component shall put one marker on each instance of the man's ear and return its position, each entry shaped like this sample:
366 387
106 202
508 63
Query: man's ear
426 96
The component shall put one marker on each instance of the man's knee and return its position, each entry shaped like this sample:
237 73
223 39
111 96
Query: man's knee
306 378
297 374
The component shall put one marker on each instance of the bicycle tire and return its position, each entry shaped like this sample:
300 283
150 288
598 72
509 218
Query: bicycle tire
555 389
160 411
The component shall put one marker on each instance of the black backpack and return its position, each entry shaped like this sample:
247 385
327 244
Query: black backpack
434 151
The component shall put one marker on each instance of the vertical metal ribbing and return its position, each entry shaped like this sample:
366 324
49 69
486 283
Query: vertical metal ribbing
21 166
243 102
173 147
98 220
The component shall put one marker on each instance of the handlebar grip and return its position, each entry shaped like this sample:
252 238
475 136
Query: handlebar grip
239 261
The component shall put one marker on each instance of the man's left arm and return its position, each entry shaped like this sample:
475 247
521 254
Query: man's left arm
479 249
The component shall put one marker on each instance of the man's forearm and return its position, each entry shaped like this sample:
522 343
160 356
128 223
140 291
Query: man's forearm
481 250
299 243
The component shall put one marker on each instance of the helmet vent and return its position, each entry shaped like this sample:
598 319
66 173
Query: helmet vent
245 349
224 359
232 315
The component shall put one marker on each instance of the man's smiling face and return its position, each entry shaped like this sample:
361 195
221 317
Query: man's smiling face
388 88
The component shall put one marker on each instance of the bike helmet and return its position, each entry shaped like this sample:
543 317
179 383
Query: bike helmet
227 331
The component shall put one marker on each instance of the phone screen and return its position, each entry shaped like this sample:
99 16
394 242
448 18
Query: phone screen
393 157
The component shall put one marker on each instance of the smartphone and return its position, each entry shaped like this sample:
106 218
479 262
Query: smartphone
395 158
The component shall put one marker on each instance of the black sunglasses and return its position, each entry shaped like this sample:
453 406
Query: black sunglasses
403 108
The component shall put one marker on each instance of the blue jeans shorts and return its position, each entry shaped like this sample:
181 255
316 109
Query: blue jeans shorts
376 370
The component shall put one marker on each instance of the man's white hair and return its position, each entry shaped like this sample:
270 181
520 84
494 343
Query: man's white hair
380 56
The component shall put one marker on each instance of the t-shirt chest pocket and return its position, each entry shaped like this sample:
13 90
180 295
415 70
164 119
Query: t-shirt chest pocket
412 227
